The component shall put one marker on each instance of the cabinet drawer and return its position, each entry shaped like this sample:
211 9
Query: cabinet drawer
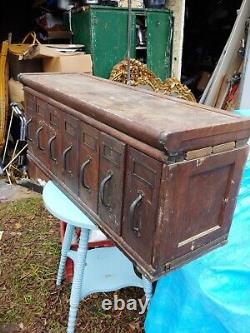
41 108
30 103
30 113
53 116
89 165
112 155
30 129
69 157
54 140
142 185
41 140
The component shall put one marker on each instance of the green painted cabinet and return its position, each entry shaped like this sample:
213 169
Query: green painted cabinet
103 30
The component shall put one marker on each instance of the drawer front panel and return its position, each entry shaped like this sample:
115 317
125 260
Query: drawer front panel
69 155
53 117
143 175
30 103
42 108
41 141
112 156
30 112
54 140
31 129
89 165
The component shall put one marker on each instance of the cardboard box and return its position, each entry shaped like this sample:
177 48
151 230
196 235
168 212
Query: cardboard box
48 50
75 63
23 66
16 92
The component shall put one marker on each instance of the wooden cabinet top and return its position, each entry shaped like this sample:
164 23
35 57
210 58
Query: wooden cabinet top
163 122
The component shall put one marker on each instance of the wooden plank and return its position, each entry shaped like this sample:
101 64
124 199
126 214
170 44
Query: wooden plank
243 98
191 155
223 147
3 91
178 8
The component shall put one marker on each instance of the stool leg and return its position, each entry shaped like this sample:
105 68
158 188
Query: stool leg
65 248
80 262
148 289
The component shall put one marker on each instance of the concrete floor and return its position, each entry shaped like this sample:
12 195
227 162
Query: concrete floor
14 192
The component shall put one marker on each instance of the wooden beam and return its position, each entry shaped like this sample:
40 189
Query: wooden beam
178 9
3 91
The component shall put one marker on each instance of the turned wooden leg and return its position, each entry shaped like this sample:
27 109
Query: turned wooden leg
64 251
148 289
75 296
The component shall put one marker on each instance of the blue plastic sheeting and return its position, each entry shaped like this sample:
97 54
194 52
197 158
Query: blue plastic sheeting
211 294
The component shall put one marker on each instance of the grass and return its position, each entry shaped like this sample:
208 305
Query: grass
29 300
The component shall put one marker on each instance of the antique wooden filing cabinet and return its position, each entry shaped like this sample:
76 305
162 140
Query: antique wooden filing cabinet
159 176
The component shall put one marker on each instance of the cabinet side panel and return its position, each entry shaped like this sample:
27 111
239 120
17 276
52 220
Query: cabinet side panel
200 201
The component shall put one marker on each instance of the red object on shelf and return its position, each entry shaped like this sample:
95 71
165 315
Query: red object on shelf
69 267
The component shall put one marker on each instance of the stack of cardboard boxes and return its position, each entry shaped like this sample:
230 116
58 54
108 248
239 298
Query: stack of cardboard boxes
46 58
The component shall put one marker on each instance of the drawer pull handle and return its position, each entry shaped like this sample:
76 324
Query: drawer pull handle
65 153
132 208
102 189
27 130
51 140
38 132
82 172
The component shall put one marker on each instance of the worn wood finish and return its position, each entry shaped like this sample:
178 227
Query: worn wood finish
149 150
112 161
70 151
54 140
159 122
89 165
162 207
143 175
41 139
201 210
30 107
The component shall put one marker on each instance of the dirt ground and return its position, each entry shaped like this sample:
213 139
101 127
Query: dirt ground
29 300
14 192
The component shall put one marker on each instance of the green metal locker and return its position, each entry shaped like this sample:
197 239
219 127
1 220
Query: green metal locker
159 42
103 31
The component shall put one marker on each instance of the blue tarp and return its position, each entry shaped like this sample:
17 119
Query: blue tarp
211 294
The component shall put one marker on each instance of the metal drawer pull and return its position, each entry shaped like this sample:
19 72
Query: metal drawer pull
102 189
38 138
51 140
135 203
82 171
27 130
65 153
